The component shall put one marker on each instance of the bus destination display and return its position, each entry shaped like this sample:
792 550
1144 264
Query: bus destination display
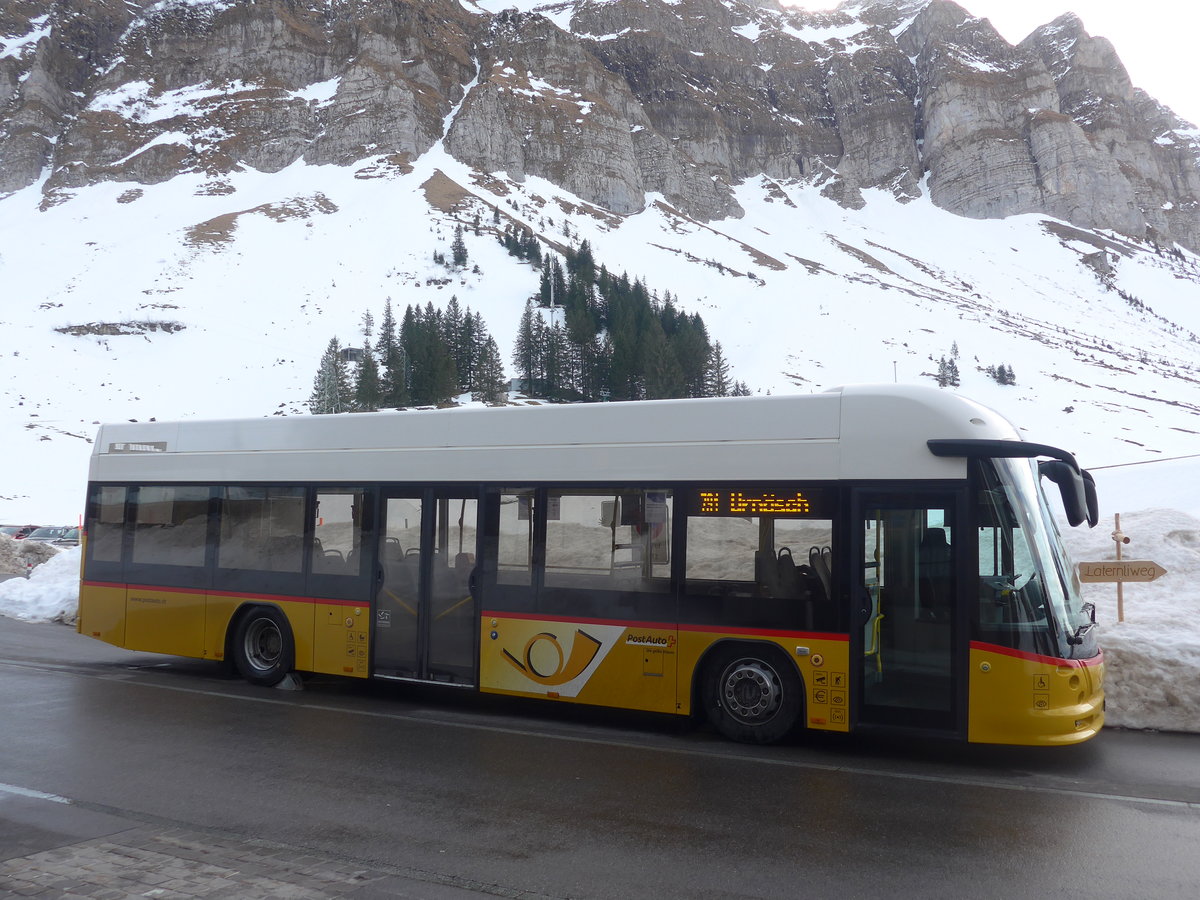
758 502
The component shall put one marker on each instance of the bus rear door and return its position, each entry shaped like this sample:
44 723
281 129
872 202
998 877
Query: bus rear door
426 623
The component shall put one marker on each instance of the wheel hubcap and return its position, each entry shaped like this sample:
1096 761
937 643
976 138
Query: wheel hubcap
751 691
264 644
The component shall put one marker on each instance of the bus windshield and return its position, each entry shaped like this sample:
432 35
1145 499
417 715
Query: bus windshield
1029 595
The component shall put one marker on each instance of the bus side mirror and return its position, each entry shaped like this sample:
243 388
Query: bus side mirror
1071 486
1093 501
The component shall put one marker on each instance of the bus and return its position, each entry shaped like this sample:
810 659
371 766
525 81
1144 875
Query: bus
871 557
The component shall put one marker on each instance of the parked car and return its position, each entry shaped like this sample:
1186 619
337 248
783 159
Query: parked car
47 533
70 538
17 531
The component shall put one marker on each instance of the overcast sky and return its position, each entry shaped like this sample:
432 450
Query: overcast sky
1157 40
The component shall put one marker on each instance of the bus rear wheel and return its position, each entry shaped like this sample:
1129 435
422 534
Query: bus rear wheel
263 649
751 695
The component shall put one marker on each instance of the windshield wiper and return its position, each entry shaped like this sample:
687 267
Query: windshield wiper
1090 610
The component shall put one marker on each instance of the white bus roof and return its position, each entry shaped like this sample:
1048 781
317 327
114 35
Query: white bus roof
853 432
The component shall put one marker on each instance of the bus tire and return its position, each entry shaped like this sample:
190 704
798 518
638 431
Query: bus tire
752 694
263 648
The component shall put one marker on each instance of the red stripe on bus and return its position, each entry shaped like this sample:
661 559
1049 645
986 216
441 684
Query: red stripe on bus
665 626
1096 660
574 620
280 598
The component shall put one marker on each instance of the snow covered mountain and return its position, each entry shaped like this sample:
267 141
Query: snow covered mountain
195 196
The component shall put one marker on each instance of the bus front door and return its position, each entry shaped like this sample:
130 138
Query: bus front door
906 609
426 624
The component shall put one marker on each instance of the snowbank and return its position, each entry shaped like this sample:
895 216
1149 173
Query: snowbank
49 594
1153 657
18 557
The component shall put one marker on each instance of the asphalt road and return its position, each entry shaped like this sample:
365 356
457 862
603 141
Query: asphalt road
410 793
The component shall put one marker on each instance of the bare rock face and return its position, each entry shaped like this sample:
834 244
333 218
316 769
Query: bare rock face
545 106
400 69
872 91
995 141
215 88
617 101
1153 150
50 57
746 89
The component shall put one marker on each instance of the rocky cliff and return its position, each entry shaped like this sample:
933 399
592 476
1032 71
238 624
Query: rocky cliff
614 100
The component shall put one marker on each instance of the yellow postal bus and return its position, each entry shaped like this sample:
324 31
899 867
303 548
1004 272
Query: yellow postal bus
873 556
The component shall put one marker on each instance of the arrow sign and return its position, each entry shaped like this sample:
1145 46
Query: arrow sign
1119 570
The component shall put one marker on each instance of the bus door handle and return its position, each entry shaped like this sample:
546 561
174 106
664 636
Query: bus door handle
862 608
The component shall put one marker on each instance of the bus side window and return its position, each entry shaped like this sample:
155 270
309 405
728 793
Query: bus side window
170 525
262 529
514 540
107 527
337 534
762 554
605 540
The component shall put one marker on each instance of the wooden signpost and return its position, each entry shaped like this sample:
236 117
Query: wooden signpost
1119 570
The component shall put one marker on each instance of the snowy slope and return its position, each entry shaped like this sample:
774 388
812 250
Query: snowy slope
803 295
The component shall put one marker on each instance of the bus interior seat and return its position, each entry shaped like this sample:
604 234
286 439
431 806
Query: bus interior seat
788 574
329 562
821 561
399 568
392 553
766 573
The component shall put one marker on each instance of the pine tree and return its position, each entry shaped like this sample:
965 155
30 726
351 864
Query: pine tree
393 365
467 350
452 336
947 373
663 374
691 348
432 377
479 337
627 314
366 384
582 263
717 383
526 352
556 366
491 384
366 381
458 249
331 386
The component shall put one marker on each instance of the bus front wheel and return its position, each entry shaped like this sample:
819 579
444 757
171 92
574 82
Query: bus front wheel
263 649
751 695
